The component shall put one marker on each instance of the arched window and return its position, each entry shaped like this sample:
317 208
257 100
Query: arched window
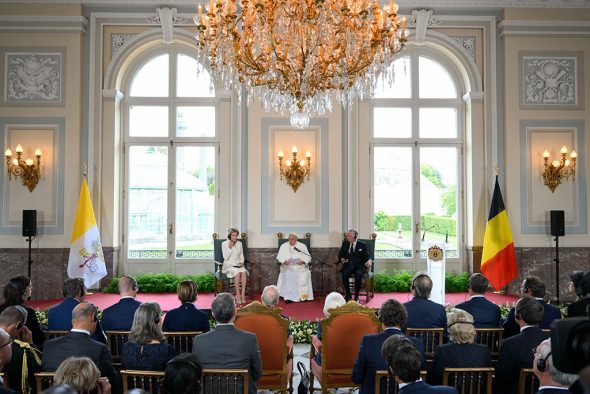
171 145
416 156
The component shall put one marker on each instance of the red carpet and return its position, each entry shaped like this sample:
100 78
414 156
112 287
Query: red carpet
310 310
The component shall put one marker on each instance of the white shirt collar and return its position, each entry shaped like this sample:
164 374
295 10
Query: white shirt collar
553 388
525 327
405 384
80 330
477 296
127 297
225 324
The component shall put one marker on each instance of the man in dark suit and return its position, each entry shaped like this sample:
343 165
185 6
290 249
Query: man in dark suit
59 317
486 314
516 351
5 356
226 346
423 313
403 362
119 316
552 380
531 288
354 256
78 343
392 315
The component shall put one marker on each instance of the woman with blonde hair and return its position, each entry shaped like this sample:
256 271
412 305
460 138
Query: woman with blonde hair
461 351
146 349
81 374
333 300
186 317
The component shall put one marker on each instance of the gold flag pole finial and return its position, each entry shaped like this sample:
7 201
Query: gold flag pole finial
497 170
85 168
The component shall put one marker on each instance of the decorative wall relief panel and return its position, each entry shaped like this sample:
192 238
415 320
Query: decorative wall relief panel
467 42
551 80
118 40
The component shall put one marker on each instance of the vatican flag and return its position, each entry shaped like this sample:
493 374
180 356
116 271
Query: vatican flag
86 259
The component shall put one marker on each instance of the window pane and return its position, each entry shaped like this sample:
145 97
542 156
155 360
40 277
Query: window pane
151 80
435 81
402 82
195 201
191 84
438 197
195 122
393 221
147 121
438 123
147 208
392 122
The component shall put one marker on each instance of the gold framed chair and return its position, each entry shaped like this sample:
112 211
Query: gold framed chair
431 337
146 380
492 338
221 282
224 381
528 383
342 332
368 280
469 380
44 380
391 386
52 334
181 341
115 342
271 331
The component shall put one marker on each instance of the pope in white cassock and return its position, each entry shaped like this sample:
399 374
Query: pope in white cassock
295 276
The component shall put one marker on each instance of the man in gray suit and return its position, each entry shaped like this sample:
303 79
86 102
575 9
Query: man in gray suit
226 346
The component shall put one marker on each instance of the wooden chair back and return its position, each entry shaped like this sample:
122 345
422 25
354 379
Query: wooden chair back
52 334
221 282
181 341
224 381
115 342
492 338
146 380
44 380
469 380
386 384
528 383
431 337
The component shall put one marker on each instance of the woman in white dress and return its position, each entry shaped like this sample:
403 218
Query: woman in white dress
233 263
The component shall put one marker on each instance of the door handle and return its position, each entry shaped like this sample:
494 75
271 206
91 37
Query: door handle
170 228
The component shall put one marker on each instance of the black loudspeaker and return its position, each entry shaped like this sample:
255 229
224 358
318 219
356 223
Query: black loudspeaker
29 222
557 224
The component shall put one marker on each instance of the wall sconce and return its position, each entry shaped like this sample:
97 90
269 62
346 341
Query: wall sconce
294 171
557 170
28 170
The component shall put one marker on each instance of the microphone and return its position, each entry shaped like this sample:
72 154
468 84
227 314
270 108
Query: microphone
428 229
301 251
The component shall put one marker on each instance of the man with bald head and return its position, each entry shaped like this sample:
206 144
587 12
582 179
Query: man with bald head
5 356
78 343
120 315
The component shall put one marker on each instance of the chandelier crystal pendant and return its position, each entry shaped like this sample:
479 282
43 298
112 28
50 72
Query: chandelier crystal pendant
295 56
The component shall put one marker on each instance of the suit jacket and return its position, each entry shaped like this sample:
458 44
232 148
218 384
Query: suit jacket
369 359
453 355
79 344
228 347
552 390
420 387
356 260
186 318
423 313
511 327
578 308
32 324
6 390
516 353
485 313
119 316
59 317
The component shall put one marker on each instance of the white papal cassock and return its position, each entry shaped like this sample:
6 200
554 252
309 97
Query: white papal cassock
294 280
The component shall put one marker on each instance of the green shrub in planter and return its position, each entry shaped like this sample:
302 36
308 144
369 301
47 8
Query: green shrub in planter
165 283
402 280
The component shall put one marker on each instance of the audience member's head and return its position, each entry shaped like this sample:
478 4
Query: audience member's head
533 288
127 286
223 308
543 366
460 327
59 389
187 291
13 319
146 325
393 314
182 375
17 290
421 285
478 284
270 296
80 373
581 283
403 359
528 312
333 300
84 317
5 349
74 288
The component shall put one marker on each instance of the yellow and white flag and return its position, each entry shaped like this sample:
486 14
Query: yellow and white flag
86 258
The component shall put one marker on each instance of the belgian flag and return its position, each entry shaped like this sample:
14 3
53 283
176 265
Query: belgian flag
498 259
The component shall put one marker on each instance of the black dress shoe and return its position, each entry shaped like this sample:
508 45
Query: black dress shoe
288 301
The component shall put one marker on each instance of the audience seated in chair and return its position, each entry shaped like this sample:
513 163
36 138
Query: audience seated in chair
355 260
485 313
403 361
227 346
16 291
5 356
535 289
461 352
182 375
516 350
552 380
581 286
79 344
119 316
146 349
392 315
294 282
423 313
59 317
81 374
270 298
186 317
332 301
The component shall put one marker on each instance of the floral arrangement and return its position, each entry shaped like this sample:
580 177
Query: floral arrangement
41 315
302 330
435 253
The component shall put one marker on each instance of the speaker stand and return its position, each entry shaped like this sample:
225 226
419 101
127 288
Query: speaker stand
556 259
30 262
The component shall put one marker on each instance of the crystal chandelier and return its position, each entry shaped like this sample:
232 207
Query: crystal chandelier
295 56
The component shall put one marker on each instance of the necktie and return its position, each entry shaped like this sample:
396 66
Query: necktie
351 249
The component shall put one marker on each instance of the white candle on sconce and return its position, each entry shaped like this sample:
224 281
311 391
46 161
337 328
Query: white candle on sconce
19 149
555 163
308 154
294 149
38 152
563 150
29 162
546 154
281 154
8 152
574 155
